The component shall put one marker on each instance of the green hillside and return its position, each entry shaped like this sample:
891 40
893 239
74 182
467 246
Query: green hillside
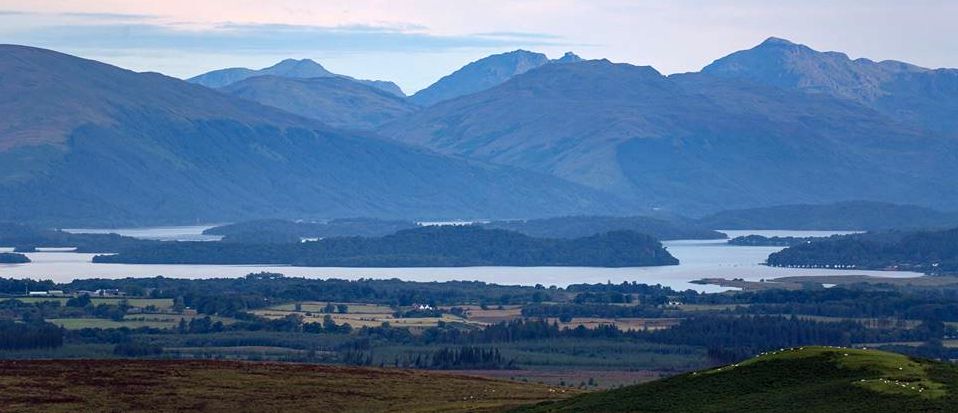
810 379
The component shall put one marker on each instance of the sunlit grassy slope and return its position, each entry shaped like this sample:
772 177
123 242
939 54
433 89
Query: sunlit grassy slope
809 379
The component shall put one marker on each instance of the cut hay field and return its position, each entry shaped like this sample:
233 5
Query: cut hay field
221 386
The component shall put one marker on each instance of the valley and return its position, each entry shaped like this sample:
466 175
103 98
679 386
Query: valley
421 206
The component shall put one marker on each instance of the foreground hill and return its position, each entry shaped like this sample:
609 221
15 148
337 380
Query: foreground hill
85 142
335 101
850 216
290 69
693 143
175 386
813 379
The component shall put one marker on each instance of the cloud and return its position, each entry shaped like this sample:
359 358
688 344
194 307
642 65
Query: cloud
106 31
81 15
108 16
519 35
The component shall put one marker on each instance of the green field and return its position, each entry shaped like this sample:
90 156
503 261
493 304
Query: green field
131 321
159 303
812 379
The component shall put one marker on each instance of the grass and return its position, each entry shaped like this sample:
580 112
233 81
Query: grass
159 303
174 386
625 324
359 315
81 323
162 321
811 379
571 354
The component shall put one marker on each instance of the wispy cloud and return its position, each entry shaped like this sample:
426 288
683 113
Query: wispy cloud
81 15
253 37
108 16
520 35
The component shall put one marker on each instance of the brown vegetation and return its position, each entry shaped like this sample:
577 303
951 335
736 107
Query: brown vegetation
219 386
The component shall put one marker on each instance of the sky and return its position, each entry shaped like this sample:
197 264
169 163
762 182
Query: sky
414 43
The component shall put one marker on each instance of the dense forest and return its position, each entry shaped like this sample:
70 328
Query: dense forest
932 252
13 258
583 226
26 238
277 230
447 246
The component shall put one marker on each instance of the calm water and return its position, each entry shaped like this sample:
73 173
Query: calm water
183 233
699 259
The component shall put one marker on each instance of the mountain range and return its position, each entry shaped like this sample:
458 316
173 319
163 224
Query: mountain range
289 68
513 135
905 92
86 142
700 142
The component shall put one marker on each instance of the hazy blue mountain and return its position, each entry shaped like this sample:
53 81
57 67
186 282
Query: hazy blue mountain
692 143
851 216
82 141
289 68
480 75
335 101
568 57
909 93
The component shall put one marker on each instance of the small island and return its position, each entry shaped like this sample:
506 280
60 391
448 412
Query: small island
930 252
437 246
763 241
13 258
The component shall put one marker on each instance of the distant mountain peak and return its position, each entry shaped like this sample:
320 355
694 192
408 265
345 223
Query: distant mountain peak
782 63
569 57
289 68
778 41
480 75
289 63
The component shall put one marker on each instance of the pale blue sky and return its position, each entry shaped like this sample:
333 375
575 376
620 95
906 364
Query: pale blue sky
415 42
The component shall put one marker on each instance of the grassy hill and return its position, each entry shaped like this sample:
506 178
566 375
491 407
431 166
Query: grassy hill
172 386
810 379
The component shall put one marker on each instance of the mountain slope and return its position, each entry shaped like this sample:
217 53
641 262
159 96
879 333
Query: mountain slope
851 216
335 101
812 379
690 143
82 141
480 75
915 94
289 68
